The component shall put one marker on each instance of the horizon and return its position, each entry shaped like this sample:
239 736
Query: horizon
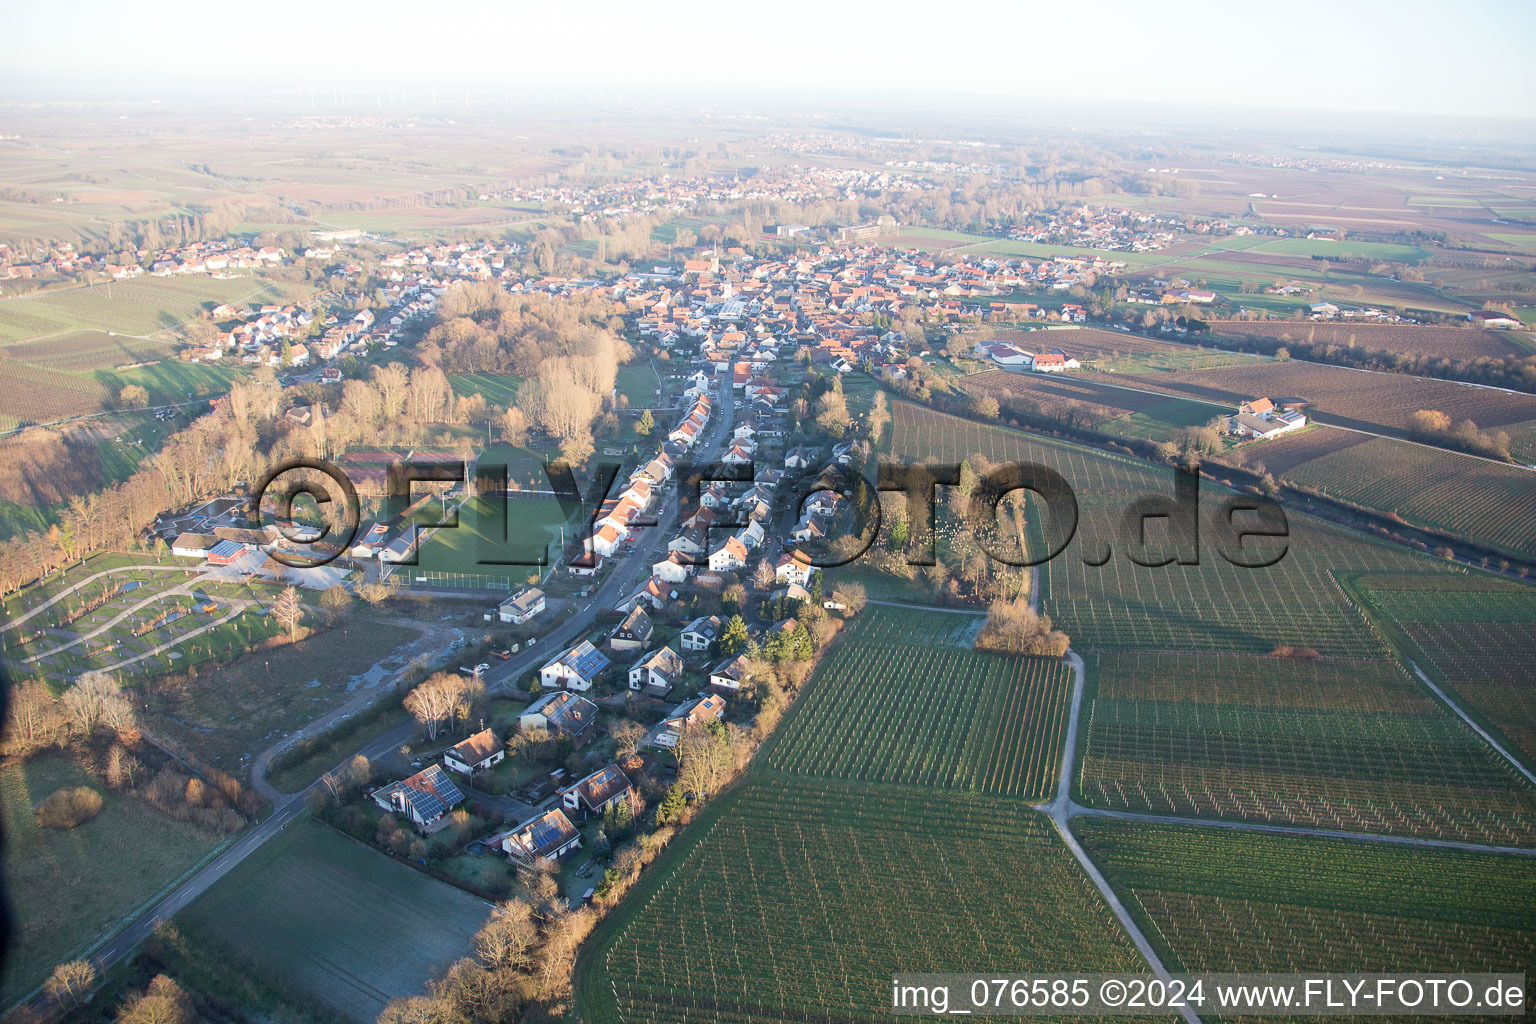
1125 60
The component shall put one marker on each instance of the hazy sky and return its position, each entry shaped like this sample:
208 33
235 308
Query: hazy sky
1406 57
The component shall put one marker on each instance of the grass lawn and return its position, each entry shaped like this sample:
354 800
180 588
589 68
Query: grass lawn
638 383
1159 422
347 926
496 388
67 888
532 523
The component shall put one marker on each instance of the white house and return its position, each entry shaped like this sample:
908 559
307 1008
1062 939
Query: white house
521 606
657 671
593 795
700 633
575 668
476 754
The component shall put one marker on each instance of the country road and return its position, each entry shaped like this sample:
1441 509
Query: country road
287 807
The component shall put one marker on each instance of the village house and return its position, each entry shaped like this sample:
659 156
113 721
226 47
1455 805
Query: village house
478 753
423 798
562 712
593 795
730 675
521 606
540 841
699 634
690 714
657 672
634 632
575 668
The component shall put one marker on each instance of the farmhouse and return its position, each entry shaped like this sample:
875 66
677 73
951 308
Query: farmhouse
562 711
476 754
423 798
656 672
593 795
1054 361
521 606
1494 318
690 714
1261 419
575 668
539 841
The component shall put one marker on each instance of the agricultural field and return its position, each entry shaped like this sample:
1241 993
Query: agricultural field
1213 606
795 899
1487 502
143 307
1474 637
1349 744
36 394
1358 399
344 924
1218 900
1399 339
920 713
1281 454
84 351
68 887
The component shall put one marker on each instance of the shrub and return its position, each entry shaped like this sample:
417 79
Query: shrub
67 808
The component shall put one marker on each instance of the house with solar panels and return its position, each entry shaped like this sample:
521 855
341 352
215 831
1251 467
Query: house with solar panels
424 798
540 840
593 795
575 668
562 711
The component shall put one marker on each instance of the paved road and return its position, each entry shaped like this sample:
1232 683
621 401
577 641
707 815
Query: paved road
1061 810
287 807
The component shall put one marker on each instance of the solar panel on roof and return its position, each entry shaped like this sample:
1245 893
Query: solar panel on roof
426 803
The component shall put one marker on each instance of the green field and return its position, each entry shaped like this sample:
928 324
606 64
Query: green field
343 924
1158 423
1354 745
1486 502
1348 248
497 388
638 383
69 888
917 712
144 306
1218 900
1473 637
796 900
532 524
1211 606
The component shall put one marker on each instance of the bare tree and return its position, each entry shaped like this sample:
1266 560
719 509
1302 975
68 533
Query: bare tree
441 699
507 939
288 611
69 982
97 699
